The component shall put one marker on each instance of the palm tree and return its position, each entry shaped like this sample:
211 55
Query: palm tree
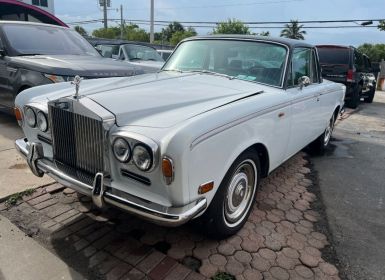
80 30
293 30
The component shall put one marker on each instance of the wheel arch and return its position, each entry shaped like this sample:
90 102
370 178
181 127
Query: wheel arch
263 155
23 87
336 112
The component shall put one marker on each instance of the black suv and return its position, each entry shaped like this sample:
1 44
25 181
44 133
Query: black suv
33 54
346 65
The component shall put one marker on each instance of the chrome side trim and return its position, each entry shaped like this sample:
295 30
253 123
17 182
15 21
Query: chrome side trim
236 122
156 213
231 124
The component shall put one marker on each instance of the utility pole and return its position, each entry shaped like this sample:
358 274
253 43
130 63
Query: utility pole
105 13
121 22
152 23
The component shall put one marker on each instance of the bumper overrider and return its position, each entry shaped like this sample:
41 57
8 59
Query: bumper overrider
100 194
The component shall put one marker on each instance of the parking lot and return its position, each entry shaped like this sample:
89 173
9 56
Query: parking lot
286 237
283 239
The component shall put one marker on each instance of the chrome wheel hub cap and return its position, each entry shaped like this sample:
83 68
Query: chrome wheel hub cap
240 192
329 131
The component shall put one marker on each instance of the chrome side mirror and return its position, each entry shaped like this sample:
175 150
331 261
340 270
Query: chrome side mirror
303 81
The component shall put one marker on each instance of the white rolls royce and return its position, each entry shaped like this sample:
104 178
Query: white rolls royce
194 139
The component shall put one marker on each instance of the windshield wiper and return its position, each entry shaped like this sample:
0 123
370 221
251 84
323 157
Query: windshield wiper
211 73
172 70
29 54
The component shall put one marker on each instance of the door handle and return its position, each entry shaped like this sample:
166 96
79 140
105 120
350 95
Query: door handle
317 99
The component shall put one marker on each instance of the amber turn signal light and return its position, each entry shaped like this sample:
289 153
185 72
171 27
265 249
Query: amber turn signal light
168 170
205 187
18 115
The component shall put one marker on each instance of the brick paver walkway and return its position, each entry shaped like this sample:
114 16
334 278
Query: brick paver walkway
278 242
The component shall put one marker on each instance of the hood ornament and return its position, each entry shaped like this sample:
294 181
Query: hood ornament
76 82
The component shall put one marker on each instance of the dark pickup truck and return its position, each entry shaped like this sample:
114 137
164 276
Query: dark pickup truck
346 65
33 54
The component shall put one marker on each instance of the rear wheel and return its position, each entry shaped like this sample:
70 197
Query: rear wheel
320 144
232 204
354 100
370 97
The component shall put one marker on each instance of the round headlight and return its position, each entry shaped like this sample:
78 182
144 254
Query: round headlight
42 122
122 150
142 157
30 117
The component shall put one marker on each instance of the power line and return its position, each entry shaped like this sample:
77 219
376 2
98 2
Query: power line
223 5
245 22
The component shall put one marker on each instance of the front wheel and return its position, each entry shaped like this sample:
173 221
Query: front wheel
322 142
232 204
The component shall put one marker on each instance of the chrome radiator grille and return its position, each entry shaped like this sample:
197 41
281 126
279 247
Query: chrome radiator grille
77 140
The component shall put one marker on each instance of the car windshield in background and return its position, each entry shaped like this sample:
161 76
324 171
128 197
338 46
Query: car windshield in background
246 60
46 40
138 52
333 55
110 51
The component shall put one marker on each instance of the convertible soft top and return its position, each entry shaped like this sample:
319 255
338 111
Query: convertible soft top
291 43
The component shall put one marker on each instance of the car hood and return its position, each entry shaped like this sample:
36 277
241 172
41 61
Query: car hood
71 65
166 99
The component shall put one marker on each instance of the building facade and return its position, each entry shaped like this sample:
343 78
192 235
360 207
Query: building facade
47 5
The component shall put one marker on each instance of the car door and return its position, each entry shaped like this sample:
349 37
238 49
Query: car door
6 96
307 122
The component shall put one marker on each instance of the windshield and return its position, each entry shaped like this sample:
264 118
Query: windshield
110 51
137 52
246 60
48 40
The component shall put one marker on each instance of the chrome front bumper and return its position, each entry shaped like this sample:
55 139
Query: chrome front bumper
156 213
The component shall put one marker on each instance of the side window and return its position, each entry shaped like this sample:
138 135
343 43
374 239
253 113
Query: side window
314 68
358 61
301 65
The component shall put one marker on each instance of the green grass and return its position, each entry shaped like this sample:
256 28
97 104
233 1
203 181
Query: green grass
13 199
223 276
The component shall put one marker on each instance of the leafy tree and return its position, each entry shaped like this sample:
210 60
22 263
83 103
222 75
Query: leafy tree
108 33
80 30
180 35
375 52
170 30
293 30
231 26
264 33
131 32
381 26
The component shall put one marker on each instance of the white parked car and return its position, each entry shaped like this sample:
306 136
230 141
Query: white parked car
142 56
191 141
165 54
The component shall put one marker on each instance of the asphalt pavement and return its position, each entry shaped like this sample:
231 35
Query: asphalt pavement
352 183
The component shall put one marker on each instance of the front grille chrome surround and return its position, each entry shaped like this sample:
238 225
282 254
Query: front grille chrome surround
79 135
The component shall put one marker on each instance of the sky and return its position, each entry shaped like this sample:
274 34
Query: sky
244 10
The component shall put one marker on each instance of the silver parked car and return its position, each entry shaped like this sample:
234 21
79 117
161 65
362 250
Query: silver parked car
143 56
